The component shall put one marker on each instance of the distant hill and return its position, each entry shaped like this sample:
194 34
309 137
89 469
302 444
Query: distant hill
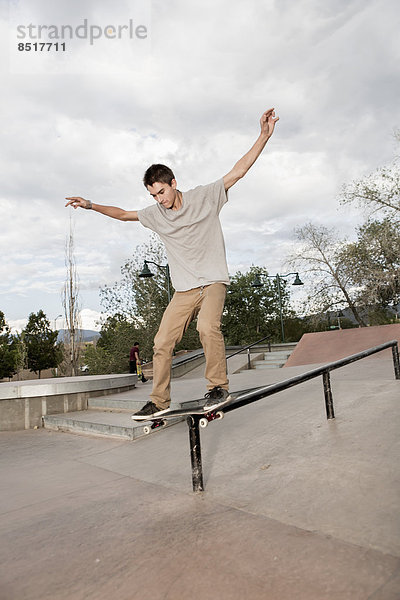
88 335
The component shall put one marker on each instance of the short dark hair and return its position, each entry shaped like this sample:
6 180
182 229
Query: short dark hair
159 173
136 343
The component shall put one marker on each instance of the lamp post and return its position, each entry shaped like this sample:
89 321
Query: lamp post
55 329
258 283
55 322
147 273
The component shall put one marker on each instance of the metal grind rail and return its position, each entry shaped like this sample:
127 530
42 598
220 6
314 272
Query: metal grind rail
250 397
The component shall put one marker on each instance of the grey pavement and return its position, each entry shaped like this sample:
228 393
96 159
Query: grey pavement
295 507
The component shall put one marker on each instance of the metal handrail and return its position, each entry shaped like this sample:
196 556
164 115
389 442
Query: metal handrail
324 370
267 337
251 345
250 397
185 359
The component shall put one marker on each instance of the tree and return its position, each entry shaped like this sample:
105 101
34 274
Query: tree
8 350
42 349
379 191
372 263
72 338
111 352
20 352
320 255
252 313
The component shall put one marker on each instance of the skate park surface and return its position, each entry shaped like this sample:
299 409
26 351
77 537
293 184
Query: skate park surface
295 506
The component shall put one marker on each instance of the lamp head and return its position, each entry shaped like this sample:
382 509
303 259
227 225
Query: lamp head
146 271
257 281
297 281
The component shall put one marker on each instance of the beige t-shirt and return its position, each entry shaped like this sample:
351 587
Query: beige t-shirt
192 236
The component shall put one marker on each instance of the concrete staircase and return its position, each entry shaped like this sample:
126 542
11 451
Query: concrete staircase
108 416
276 358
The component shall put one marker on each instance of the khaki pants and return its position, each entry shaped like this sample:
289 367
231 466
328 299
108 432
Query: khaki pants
206 304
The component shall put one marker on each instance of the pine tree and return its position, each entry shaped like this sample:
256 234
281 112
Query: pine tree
42 349
8 352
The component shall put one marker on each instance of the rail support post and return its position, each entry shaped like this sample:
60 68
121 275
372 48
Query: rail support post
326 378
195 453
396 362
248 359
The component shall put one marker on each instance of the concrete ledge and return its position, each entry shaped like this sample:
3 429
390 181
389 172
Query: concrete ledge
23 404
65 385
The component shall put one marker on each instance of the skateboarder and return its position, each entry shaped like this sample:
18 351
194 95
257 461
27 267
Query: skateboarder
188 224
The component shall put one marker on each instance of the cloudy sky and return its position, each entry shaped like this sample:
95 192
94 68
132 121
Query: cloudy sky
187 88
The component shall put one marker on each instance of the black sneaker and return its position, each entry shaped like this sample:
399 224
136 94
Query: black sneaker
215 396
149 410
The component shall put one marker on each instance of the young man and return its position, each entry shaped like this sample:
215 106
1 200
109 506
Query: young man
135 362
188 224
134 359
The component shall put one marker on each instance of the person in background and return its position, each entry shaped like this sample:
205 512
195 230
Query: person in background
135 364
134 357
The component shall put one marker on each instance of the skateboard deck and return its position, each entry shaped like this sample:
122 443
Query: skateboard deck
208 414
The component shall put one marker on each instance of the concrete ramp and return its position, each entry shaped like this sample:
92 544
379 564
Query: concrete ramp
326 346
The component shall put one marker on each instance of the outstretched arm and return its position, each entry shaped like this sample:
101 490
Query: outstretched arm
267 124
110 211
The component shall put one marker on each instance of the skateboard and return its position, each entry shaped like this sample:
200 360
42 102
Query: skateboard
139 373
207 415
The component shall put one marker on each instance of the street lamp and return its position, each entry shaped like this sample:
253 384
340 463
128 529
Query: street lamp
258 283
147 273
55 322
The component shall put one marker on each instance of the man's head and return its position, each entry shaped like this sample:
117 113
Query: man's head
159 173
161 183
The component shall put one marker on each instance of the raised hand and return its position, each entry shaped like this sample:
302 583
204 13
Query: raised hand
78 202
267 122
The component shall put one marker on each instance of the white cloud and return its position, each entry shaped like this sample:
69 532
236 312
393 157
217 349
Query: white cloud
193 100
90 319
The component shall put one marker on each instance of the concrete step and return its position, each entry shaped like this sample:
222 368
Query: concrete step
277 355
272 360
287 347
275 359
116 425
114 403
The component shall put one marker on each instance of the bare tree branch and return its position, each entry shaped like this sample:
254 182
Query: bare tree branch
70 300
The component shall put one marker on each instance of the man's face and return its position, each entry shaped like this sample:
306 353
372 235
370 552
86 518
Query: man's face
164 193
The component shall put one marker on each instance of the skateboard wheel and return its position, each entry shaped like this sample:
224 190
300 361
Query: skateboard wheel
146 429
220 414
203 422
